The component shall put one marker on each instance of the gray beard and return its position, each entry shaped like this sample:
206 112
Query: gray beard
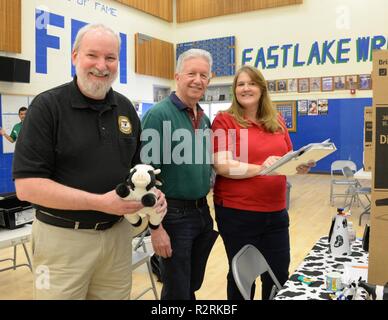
94 89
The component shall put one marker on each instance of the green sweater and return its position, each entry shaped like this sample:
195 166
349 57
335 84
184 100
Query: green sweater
182 154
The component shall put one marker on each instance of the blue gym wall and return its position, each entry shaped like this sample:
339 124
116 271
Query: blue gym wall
344 125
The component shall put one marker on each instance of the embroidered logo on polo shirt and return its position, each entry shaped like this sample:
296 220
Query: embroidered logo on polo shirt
125 125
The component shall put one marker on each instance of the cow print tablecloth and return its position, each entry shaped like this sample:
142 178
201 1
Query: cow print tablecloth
315 266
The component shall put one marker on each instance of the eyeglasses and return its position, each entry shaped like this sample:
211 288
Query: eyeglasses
193 75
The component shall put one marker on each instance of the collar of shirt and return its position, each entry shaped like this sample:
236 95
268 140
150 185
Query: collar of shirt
80 101
256 124
183 107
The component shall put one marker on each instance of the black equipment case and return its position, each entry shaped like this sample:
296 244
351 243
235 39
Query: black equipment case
14 213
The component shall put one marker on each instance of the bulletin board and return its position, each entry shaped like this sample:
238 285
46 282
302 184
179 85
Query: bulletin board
222 51
288 110
344 125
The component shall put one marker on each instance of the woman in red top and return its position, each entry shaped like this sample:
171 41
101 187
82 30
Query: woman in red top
250 209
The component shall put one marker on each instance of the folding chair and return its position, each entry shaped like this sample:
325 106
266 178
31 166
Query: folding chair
140 256
354 192
349 182
354 185
366 191
355 196
247 265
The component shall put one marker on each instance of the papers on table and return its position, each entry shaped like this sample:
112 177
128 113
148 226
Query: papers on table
353 272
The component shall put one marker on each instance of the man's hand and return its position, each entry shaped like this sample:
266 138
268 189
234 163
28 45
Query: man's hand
161 242
111 203
161 204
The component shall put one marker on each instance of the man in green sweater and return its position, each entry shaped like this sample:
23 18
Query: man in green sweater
16 128
176 139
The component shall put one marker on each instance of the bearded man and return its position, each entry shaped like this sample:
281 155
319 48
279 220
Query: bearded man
78 142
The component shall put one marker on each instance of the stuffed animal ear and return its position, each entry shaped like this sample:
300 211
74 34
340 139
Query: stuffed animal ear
131 173
159 182
129 180
157 171
152 178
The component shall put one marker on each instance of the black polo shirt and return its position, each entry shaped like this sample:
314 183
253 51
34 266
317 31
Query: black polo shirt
78 142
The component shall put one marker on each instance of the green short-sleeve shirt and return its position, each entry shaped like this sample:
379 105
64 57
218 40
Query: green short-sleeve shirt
15 131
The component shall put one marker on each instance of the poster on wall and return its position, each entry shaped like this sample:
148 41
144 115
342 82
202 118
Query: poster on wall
160 92
323 106
339 83
327 83
9 116
313 108
351 82
292 85
303 85
365 82
271 84
223 51
281 85
288 110
302 107
315 84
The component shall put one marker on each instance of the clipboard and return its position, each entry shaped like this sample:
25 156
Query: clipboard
287 164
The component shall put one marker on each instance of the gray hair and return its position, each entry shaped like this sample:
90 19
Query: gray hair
194 53
92 27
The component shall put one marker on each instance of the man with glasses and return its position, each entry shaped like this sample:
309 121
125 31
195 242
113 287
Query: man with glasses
186 236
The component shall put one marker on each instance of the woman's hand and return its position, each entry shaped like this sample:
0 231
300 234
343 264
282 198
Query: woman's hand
305 167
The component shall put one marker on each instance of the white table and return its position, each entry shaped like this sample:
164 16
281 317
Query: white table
363 175
315 266
12 238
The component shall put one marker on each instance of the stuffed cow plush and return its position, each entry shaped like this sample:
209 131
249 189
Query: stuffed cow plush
140 186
